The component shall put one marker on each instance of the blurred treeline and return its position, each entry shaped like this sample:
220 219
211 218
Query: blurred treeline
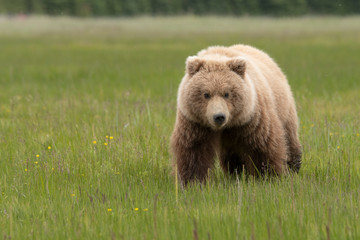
180 7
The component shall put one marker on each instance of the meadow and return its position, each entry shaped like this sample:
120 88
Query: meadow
87 107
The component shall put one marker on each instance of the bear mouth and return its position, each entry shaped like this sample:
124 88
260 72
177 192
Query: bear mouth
218 126
218 120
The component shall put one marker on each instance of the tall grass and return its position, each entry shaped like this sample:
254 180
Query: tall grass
87 108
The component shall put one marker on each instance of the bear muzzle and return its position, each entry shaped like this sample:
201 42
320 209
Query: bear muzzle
219 119
217 113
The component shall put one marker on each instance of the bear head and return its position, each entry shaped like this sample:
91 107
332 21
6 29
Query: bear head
217 92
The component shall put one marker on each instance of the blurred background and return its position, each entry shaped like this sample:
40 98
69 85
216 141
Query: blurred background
180 7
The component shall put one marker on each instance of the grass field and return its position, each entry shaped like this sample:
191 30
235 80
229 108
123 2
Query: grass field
87 108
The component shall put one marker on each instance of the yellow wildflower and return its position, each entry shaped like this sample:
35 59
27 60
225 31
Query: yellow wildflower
338 147
106 144
49 147
25 169
94 142
107 136
36 162
109 210
111 137
37 155
145 209
136 209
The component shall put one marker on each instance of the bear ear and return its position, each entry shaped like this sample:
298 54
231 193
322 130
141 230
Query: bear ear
238 65
193 65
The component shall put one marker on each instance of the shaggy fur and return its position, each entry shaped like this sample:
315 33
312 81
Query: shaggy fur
234 102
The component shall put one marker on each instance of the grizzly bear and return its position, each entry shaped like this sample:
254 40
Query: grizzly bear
234 103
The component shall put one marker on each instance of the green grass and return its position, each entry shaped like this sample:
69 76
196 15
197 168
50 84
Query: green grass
68 82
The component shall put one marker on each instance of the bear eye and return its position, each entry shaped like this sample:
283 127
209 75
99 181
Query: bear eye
206 95
226 95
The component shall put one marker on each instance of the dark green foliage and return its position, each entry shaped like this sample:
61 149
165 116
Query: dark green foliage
283 7
171 7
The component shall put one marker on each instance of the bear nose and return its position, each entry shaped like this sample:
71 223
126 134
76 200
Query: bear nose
219 118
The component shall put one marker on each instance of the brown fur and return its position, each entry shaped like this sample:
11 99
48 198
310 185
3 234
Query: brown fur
235 102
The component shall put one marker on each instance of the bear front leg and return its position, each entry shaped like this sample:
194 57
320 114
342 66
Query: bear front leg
272 155
266 149
193 148
231 162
